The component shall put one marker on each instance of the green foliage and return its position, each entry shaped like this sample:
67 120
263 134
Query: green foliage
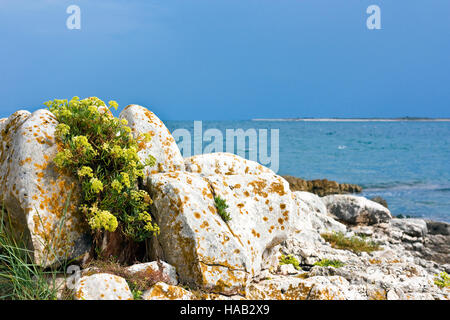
290 259
137 294
356 244
20 278
329 263
442 280
100 151
221 206
401 216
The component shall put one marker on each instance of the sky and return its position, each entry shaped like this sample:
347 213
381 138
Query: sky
230 59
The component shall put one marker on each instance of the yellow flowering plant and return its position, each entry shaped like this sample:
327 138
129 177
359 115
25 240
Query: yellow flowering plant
100 151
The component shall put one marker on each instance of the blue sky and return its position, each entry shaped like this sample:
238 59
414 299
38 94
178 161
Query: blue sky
230 59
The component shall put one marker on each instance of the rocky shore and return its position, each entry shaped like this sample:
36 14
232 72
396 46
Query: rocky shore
321 187
286 238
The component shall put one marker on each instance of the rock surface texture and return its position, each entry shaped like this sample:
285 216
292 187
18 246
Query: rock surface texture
208 252
158 269
162 146
163 291
356 210
102 286
41 200
321 187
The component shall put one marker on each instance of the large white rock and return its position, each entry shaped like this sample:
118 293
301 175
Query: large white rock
313 213
412 227
193 237
159 269
162 145
35 193
297 288
217 256
223 163
102 286
261 207
163 291
356 210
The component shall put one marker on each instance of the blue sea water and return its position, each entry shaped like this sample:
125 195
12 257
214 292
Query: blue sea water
405 162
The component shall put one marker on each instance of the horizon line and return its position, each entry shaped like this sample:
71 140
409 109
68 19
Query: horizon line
338 119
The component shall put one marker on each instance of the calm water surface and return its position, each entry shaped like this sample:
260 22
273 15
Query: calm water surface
407 163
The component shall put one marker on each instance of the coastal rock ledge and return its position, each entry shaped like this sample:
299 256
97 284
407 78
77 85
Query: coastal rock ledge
272 240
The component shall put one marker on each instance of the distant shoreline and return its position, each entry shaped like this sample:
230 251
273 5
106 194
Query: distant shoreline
356 119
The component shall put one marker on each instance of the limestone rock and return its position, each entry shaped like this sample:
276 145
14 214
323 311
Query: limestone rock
193 237
314 211
163 291
412 227
162 145
157 268
298 288
381 201
437 227
356 210
287 269
223 163
35 193
102 286
217 256
321 187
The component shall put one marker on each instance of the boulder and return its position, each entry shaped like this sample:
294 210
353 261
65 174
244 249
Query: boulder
313 212
193 237
356 210
223 163
321 187
381 201
208 252
437 227
298 288
411 227
163 291
156 268
162 146
40 199
102 286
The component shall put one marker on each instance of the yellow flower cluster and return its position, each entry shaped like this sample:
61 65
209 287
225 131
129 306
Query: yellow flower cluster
146 137
102 219
93 110
113 104
96 185
141 195
62 130
62 158
64 112
150 161
103 153
125 179
116 185
82 143
85 171
128 154
145 217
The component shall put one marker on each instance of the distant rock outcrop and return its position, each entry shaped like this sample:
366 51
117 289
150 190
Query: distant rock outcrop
321 187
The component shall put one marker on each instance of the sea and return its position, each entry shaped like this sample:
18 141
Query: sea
405 162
